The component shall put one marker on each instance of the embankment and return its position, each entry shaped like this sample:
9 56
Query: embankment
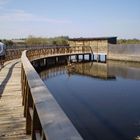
125 52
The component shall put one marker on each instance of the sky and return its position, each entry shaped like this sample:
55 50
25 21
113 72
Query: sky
73 18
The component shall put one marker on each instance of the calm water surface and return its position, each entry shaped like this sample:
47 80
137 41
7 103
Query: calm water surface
102 100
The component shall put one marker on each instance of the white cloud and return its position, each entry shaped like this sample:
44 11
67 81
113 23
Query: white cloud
18 23
2 2
22 16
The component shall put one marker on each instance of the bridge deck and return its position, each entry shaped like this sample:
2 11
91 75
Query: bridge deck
12 122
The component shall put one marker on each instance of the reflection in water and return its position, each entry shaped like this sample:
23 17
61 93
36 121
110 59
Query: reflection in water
92 69
126 70
101 99
109 70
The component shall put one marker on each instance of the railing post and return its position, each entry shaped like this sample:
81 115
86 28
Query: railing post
36 126
23 87
22 82
29 114
25 95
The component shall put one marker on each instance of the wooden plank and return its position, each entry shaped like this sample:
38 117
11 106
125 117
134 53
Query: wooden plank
12 122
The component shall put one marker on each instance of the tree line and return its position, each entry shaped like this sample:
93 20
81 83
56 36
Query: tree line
55 41
7 42
128 41
38 41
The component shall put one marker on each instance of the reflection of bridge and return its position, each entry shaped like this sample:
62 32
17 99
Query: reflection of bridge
92 69
53 72
107 71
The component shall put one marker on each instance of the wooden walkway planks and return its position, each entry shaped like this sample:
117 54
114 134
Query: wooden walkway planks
12 122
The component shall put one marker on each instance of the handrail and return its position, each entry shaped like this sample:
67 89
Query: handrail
44 117
41 53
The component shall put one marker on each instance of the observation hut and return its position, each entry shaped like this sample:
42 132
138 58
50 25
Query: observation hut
98 45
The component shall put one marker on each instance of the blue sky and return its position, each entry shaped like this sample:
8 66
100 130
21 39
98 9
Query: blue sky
75 18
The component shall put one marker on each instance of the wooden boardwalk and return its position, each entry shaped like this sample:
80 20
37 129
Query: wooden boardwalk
12 122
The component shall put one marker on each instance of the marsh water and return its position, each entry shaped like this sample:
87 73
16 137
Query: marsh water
101 99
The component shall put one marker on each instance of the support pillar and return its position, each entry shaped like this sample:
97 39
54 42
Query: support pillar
77 57
98 58
105 58
93 57
44 62
83 57
89 57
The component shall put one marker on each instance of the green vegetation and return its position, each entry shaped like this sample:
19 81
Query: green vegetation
128 41
56 41
36 41
39 41
7 42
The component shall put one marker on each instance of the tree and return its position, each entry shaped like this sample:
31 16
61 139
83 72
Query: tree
38 41
8 43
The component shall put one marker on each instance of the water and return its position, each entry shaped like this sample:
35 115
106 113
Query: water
102 100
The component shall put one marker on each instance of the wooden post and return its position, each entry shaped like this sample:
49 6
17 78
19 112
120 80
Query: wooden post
77 57
44 62
22 75
56 60
83 59
105 58
66 59
89 57
25 97
29 105
70 59
36 126
23 84
98 58
93 57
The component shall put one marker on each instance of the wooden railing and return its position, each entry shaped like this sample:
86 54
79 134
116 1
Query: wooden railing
41 53
15 52
45 120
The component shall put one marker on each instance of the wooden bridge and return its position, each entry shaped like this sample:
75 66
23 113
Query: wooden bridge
12 121
21 85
